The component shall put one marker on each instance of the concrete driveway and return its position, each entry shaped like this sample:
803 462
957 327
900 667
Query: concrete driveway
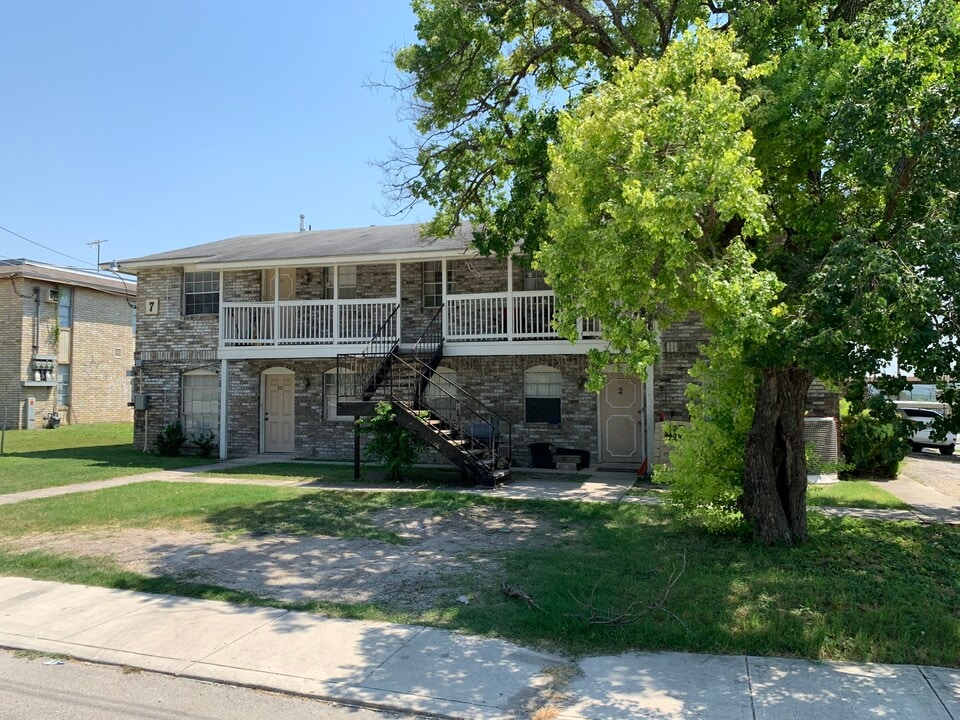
930 468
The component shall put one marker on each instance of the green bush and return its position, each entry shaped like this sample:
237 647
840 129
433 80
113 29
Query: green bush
170 440
706 459
390 443
874 440
205 442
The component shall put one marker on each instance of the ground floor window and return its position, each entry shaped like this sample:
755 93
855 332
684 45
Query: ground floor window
330 392
542 386
201 406
63 385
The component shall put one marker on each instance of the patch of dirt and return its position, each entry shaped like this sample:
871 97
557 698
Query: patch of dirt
427 571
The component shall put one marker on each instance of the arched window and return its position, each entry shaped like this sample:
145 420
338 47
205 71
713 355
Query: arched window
330 392
200 402
542 387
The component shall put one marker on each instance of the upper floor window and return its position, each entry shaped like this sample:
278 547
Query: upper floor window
201 293
65 308
542 387
346 282
535 280
433 284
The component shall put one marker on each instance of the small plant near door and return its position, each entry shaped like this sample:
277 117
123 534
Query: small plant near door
170 440
390 443
204 442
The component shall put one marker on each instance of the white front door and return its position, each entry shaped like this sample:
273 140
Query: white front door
622 420
278 413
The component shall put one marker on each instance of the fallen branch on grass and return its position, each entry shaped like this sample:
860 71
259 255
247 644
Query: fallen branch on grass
517 594
595 615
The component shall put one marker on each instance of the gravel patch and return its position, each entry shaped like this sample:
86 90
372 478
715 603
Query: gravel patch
443 558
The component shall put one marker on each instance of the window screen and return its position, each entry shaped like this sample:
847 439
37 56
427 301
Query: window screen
201 293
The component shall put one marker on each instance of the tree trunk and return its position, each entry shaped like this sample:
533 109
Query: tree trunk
775 473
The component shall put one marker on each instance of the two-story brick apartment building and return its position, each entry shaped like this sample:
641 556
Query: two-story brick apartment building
241 337
275 343
66 344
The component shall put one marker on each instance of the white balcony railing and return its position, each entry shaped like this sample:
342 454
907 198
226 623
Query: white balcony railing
524 315
488 316
302 322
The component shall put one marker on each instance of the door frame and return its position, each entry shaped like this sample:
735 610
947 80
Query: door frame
646 388
276 370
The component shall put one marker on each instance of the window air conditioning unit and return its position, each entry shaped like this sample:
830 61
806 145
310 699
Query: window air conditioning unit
53 295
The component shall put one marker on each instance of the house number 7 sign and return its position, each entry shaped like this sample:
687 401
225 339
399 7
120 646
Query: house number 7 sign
151 306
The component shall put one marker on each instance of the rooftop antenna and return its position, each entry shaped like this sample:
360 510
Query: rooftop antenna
302 218
98 243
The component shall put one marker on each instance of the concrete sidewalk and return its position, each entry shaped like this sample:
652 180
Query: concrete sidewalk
426 670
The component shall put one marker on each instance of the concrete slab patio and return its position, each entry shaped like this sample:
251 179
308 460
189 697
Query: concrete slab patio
427 670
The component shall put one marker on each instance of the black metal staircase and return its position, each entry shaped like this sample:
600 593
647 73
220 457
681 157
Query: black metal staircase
455 423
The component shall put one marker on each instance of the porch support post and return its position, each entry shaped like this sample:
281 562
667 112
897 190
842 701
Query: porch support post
443 296
224 384
223 313
356 447
276 305
336 305
399 310
510 311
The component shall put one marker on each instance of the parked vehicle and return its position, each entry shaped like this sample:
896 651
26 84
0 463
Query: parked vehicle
922 419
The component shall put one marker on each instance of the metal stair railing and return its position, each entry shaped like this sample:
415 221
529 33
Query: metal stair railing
360 374
485 437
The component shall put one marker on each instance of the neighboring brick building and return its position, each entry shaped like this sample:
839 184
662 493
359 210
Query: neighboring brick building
67 342
241 337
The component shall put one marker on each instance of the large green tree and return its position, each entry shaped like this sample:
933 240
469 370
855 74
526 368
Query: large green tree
787 169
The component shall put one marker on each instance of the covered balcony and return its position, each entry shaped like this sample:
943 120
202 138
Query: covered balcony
305 312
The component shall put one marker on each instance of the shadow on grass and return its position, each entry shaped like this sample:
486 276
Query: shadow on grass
123 455
859 590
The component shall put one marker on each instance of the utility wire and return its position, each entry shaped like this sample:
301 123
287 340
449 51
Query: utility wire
34 242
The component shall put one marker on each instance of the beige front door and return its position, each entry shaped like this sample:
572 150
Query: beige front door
622 420
278 413
288 284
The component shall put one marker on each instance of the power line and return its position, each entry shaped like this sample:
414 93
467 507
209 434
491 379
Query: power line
34 242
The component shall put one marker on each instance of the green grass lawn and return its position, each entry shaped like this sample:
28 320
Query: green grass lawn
854 493
847 493
858 590
77 454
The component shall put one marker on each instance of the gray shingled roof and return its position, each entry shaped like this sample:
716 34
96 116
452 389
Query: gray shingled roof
373 240
66 276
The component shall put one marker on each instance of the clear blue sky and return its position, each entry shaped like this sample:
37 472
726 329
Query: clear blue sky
161 124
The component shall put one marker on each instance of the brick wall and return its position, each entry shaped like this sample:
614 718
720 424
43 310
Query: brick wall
102 345
169 344
680 348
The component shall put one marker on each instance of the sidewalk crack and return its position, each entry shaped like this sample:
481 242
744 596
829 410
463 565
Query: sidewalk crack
391 655
935 693
753 708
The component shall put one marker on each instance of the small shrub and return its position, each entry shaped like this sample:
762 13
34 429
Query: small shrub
205 442
390 443
170 440
875 440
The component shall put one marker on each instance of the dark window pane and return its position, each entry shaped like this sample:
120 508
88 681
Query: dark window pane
543 410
